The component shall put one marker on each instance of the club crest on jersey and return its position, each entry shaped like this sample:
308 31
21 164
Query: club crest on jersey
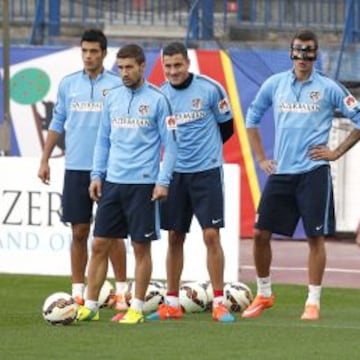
315 96
223 106
105 92
350 102
144 110
196 104
171 122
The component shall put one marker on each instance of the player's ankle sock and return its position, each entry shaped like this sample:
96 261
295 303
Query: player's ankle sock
264 286
92 305
137 305
314 294
77 289
172 299
121 287
218 297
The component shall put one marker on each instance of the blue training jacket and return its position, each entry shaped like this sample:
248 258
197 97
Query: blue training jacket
77 112
198 110
135 124
303 115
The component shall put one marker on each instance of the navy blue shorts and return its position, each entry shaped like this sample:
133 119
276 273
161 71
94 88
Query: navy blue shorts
77 206
127 209
199 194
287 198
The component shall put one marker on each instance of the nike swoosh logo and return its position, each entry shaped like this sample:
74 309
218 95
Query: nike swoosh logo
147 235
317 228
215 221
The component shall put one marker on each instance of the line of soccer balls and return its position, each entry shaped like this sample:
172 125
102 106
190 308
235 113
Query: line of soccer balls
60 307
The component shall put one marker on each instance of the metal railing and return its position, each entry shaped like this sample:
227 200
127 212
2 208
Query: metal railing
208 16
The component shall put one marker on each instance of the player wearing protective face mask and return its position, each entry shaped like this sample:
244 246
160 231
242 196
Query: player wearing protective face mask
299 183
303 52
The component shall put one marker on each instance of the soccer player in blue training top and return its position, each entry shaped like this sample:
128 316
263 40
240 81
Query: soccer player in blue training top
299 183
127 178
78 109
204 122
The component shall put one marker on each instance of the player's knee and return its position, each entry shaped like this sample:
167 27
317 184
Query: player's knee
261 236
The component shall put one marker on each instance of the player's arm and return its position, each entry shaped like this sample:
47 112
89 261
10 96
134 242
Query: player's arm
343 100
44 169
256 144
102 144
226 130
258 107
322 152
56 127
222 112
167 130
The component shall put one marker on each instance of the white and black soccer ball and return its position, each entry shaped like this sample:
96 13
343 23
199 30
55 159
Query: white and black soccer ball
154 296
59 308
193 297
106 295
238 296
209 292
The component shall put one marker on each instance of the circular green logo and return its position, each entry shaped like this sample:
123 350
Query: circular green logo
29 86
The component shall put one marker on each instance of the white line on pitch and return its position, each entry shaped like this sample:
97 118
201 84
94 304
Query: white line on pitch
282 268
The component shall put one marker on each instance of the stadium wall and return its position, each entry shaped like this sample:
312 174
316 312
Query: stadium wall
33 240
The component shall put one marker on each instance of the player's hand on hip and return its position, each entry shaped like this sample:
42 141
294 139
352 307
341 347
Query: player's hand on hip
322 152
95 189
159 192
269 166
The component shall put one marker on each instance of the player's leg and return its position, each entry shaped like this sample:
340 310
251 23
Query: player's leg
79 257
215 257
77 210
277 212
316 269
118 262
171 308
176 215
215 264
143 269
109 225
262 252
317 259
142 217
206 192
317 210
98 266
174 265
97 271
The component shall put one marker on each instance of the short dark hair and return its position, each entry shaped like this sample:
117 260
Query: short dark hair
95 35
131 51
305 35
175 48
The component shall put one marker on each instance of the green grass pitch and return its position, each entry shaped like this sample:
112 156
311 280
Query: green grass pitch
278 334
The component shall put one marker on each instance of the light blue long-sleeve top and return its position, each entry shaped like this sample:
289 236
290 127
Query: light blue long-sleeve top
199 109
77 111
134 126
303 115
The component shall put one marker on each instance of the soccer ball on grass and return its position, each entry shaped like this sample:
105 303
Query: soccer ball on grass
193 297
59 308
238 296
